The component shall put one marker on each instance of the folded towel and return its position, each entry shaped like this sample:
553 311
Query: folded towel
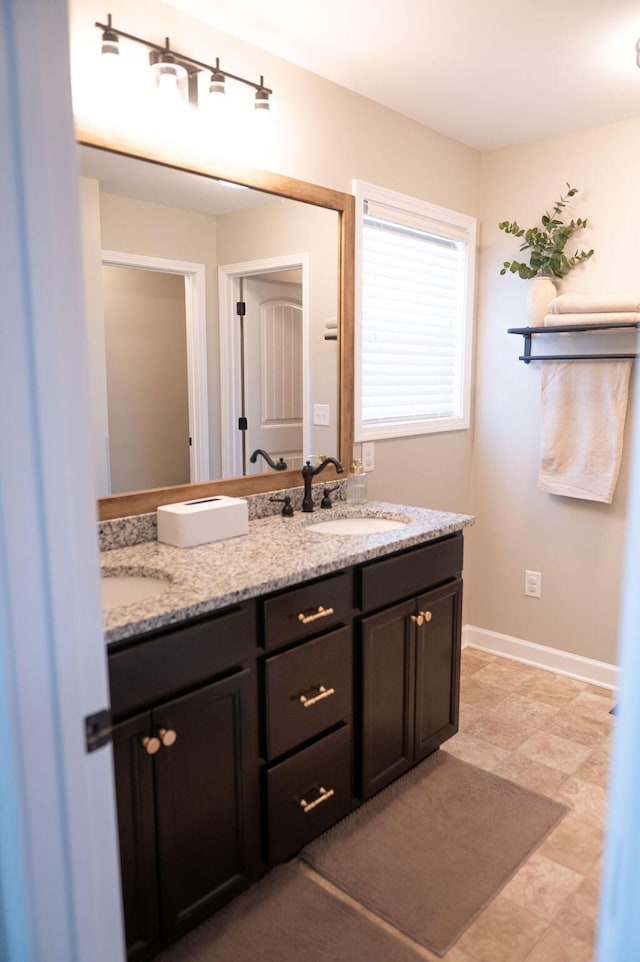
584 405
603 317
593 303
583 412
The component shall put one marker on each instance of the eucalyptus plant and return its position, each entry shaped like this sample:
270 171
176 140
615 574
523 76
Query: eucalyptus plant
547 257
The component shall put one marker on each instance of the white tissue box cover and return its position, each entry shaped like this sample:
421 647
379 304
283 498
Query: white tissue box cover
189 523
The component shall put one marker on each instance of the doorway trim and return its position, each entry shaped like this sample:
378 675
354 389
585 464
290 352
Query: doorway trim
196 331
229 276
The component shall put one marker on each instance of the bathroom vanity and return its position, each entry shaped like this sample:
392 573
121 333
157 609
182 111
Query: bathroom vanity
281 680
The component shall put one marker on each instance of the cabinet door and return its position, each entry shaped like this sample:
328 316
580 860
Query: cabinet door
136 827
387 696
437 668
206 797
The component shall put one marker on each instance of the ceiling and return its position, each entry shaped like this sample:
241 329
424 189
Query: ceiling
489 73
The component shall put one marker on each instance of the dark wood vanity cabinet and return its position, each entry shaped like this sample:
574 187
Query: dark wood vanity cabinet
308 712
410 662
186 772
240 737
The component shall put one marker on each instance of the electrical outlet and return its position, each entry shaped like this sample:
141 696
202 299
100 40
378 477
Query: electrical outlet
321 414
533 584
368 459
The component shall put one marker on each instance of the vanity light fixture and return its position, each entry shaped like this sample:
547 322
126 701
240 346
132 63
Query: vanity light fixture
176 75
170 77
261 103
217 84
110 46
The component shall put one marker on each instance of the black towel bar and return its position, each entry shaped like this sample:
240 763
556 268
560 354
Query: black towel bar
527 333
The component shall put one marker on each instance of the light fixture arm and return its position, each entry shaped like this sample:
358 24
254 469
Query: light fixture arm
182 58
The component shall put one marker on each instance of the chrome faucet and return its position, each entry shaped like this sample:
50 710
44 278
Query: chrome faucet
308 474
280 466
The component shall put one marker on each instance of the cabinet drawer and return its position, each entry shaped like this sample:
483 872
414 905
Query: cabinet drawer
176 660
308 689
385 582
307 610
308 793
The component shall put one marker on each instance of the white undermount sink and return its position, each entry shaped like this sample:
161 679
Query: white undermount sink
119 590
357 526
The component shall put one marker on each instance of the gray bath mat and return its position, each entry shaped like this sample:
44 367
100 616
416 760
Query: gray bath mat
431 851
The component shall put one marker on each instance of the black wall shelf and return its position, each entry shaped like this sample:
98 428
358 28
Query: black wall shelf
528 332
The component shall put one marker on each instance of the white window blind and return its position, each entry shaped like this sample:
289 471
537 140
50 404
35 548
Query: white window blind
414 306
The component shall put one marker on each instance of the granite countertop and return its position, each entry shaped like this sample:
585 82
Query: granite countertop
276 553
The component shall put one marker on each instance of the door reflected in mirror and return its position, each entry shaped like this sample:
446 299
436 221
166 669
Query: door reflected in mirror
183 384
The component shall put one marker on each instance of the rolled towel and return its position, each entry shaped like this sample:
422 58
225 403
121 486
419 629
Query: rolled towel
604 317
594 303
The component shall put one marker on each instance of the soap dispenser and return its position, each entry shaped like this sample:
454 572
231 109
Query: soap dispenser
356 483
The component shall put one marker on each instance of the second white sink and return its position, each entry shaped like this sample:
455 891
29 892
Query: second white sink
119 590
356 526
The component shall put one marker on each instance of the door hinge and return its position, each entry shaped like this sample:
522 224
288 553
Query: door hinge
241 308
242 424
98 729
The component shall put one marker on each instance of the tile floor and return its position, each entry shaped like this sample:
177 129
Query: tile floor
551 734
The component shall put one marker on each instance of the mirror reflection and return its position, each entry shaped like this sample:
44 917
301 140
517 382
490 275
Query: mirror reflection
211 322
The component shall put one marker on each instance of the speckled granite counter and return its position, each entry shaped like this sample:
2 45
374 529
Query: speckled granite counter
277 552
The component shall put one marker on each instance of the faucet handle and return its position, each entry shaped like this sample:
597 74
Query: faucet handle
287 510
326 496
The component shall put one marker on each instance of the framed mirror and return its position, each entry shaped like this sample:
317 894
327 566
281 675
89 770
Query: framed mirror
265 302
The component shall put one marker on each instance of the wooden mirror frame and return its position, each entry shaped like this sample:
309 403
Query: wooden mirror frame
141 502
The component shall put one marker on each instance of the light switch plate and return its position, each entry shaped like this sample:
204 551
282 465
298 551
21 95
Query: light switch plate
368 457
322 414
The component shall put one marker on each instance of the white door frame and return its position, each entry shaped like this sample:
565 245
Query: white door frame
228 283
196 326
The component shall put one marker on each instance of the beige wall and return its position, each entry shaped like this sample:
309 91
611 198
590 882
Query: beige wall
577 545
328 135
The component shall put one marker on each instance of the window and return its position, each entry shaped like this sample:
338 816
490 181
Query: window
414 302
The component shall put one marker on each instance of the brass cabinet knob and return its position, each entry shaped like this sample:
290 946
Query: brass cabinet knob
418 619
167 736
151 745
427 615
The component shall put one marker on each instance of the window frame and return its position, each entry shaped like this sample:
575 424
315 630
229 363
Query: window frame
441 220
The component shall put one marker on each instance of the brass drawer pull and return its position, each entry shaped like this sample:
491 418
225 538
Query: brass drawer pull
151 745
320 612
324 796
322 693
426 615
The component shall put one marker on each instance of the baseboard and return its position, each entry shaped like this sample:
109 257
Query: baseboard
550 659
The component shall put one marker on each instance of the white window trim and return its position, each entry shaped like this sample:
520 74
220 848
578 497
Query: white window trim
448 219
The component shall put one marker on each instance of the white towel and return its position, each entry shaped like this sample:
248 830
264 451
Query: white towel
604 317
584 405
593 303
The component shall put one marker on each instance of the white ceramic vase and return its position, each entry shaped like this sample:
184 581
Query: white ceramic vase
540 292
